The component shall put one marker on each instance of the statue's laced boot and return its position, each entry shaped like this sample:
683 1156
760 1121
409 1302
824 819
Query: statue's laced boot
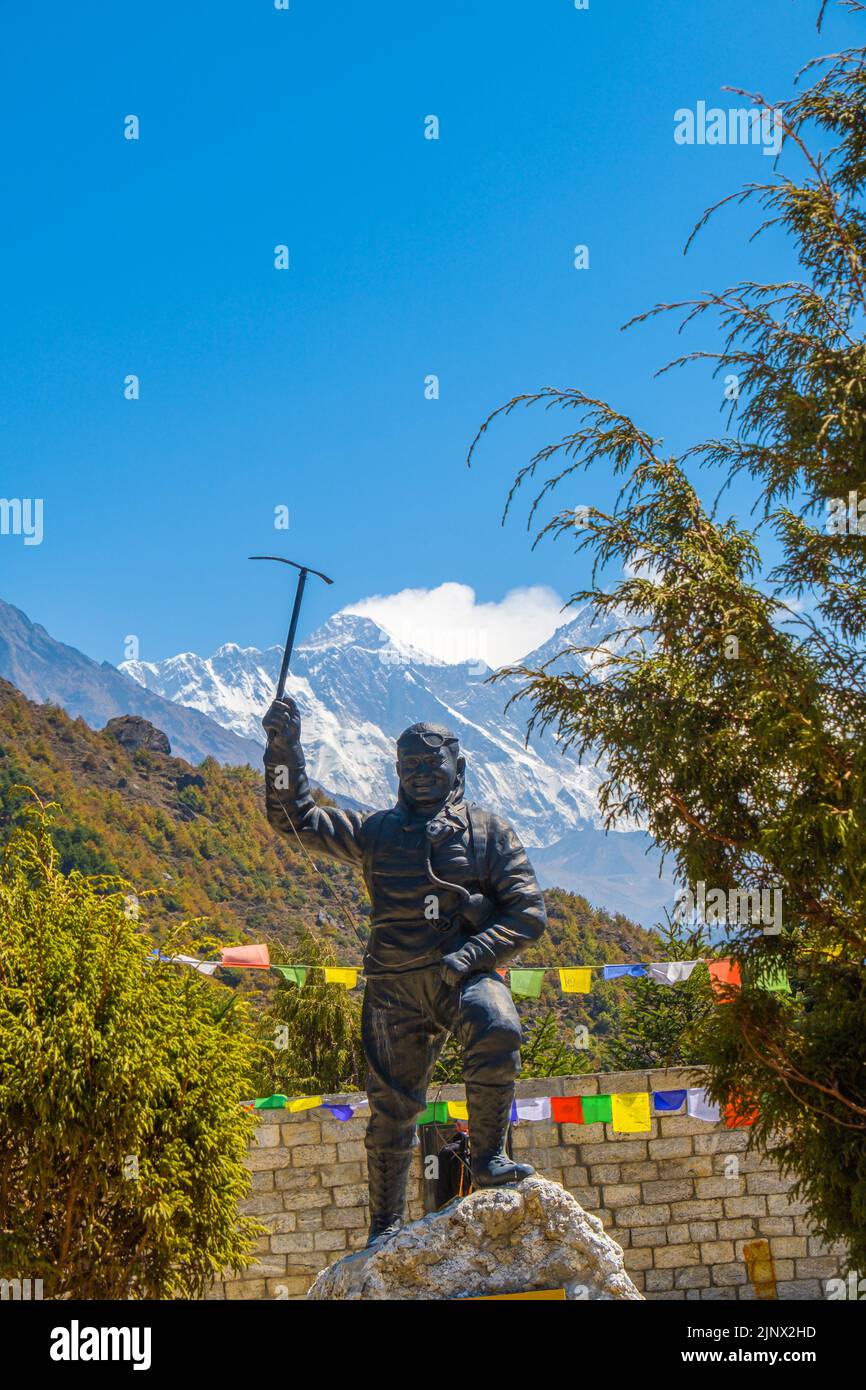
489 1121
388 1175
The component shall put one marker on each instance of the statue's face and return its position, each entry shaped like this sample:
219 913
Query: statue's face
427 774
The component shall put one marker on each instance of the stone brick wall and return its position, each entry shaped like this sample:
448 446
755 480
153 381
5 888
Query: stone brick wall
668 1197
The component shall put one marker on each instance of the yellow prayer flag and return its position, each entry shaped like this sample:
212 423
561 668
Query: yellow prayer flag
304 1103
458 1110
575 981
631 1112
336 975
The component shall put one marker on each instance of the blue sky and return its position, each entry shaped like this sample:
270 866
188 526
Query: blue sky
408 257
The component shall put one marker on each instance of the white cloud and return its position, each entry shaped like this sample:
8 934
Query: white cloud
449 622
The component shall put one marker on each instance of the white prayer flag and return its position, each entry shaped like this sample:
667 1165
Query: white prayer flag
672 972
205 967
534 1108
700 1108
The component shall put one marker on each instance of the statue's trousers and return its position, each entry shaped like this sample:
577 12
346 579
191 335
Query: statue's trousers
405 1021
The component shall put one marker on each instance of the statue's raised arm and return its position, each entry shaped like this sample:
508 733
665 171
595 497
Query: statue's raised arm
290 804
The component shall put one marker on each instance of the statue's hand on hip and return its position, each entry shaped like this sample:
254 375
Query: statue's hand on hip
456 967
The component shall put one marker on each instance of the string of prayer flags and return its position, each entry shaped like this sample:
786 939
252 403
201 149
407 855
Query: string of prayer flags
724 977
597 1110
436 1113
337 975
524 982
700 1107
631 1112
666 1101
576 980
527 983
533 1108
566 1110
672 972
292 974
248 957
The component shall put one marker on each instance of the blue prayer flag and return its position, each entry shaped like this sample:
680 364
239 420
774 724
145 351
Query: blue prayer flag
668 1100
341 1112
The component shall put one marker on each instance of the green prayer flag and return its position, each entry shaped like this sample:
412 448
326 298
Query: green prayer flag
271 1103
777 979
527 982
596 1110
435 1114
292 974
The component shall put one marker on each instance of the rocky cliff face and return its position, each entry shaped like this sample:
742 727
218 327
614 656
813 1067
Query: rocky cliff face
132 731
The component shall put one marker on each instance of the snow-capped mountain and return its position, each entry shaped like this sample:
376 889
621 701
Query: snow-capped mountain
357 688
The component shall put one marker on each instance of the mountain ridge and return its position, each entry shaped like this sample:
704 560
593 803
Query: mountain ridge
51 672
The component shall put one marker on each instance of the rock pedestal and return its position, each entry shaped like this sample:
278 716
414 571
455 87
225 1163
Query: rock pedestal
529 1236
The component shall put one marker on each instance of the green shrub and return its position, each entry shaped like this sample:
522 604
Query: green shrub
122 1137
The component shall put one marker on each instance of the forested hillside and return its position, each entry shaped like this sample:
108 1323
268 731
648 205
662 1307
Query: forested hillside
198 839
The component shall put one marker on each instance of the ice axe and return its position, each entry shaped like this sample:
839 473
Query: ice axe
299 594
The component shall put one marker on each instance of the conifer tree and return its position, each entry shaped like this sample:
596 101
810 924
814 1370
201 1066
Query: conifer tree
727 694
311 1035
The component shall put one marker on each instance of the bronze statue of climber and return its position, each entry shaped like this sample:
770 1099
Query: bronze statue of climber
453 898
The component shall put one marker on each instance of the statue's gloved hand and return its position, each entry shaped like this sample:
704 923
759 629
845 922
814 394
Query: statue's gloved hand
470 958
282 723
455 968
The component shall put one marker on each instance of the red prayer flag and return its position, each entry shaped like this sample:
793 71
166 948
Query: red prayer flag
566 1110
740 1113
251 957
724 977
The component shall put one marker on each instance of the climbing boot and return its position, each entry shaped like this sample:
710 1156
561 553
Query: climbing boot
489 1122
388 1176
